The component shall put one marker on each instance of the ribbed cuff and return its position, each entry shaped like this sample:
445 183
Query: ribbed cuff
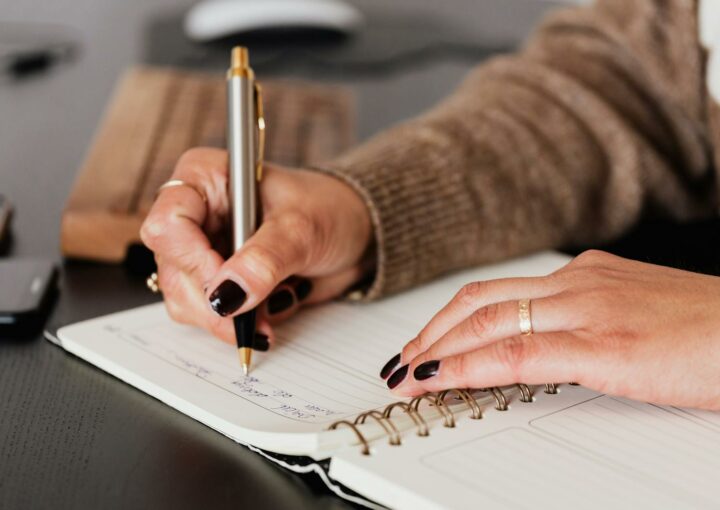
414 202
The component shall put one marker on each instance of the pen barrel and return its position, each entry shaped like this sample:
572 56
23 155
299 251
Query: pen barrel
242 143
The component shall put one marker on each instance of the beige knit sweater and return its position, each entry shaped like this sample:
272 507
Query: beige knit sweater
605 116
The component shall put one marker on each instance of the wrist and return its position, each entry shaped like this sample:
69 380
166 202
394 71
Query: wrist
354 222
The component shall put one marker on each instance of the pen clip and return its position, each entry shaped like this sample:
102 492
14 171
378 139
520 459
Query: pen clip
261 131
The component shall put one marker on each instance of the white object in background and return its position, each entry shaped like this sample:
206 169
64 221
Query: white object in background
709 27
213 19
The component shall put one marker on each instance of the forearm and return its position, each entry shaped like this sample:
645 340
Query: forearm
569 141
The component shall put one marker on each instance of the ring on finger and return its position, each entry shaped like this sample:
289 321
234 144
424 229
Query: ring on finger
525 317
174 183
153 283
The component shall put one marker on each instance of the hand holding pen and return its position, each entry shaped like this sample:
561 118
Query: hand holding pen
314 243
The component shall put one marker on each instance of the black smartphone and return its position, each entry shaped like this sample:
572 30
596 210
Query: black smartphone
28 290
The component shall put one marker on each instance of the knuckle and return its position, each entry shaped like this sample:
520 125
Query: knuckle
412 348
592 257
190 263
460 367
265 263
193 156
513 354
300 229
202 164
152 230
297 222
422 341
483 320
469 293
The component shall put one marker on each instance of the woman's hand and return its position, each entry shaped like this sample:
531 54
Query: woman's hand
309 248
617 326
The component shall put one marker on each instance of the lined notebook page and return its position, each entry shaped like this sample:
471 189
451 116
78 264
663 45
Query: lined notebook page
577 449
662 446
273 384
323 368
516 469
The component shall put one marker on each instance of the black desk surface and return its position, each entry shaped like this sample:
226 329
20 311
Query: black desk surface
71 436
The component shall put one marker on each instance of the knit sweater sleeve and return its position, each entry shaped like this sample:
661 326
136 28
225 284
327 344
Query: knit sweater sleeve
597 121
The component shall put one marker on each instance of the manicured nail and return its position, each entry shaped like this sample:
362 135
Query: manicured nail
280 301
227 298
390 366
260 342
397 377
426 370
303 288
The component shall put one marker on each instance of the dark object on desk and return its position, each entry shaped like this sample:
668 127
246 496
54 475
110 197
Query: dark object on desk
155 116
27 49
29 287
5 215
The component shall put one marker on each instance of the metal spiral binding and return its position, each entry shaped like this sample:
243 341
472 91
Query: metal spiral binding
384 418
464 395
363 441
445 412
525 393
422 428
387 425
500 400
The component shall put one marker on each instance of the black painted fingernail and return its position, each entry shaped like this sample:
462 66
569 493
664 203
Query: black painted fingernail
303 288
426 370
260 342
390 366
280 301
397 377
227 298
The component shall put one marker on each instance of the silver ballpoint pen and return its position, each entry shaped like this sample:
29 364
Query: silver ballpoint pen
245 143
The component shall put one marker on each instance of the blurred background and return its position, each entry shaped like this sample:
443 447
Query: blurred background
404 57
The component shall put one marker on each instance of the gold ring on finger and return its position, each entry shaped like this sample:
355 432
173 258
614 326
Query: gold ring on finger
524 316
174 183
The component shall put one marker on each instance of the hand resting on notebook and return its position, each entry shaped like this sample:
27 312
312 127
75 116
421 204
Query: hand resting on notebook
617 326
309 248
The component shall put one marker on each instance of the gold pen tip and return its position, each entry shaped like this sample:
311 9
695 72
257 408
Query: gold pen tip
240 58
245 354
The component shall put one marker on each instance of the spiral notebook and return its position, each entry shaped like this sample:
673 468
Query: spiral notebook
314 402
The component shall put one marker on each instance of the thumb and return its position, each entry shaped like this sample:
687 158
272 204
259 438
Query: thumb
279 248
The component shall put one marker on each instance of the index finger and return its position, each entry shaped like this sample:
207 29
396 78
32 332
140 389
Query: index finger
533 359
173 228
